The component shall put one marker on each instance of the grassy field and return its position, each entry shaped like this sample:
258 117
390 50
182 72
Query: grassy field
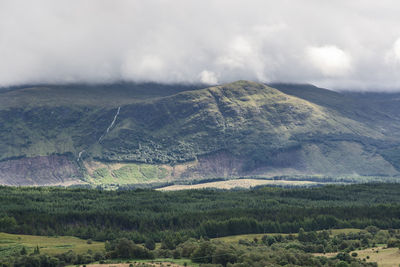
385 257
123 173
9 243
236 238
250 237
344 231
242 183
48 245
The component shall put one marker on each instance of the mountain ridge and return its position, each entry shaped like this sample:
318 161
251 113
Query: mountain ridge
230 130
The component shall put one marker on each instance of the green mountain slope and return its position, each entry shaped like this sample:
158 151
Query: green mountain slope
133 134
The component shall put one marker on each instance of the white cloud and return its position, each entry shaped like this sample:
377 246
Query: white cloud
396 50
208 77
136 68
237 53
330 60
393 55
392 58
97 41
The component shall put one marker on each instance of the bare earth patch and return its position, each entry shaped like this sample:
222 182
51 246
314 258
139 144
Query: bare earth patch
242 183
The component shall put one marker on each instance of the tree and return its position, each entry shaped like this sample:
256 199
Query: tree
8 224
168 243
224 255
343 257
203 253
23 251
268 240
372 229
393 242
150 244
36 251
126 249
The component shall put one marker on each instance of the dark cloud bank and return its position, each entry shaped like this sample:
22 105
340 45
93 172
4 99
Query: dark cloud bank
338 44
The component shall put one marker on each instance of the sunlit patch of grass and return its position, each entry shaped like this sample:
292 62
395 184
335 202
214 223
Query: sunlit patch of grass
250 237
385 257
125 173
47 245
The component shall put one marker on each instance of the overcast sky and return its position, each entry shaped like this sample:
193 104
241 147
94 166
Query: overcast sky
341 44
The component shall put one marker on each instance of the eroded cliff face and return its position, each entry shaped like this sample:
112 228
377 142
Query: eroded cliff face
39 171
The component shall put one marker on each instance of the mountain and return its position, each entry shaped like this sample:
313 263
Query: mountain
146 133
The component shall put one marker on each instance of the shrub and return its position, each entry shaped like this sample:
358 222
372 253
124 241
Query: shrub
150 244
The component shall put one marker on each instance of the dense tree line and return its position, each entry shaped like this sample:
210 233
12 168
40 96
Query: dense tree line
132 221
147 216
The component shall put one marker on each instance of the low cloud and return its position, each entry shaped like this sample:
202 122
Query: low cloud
392 56
138 67
330 60
208 77
396 50
337 44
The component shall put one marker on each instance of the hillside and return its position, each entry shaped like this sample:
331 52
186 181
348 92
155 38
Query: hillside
126 134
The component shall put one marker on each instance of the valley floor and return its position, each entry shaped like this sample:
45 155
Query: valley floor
385 257
256 227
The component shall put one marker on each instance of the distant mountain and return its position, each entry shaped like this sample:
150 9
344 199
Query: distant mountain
142 133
